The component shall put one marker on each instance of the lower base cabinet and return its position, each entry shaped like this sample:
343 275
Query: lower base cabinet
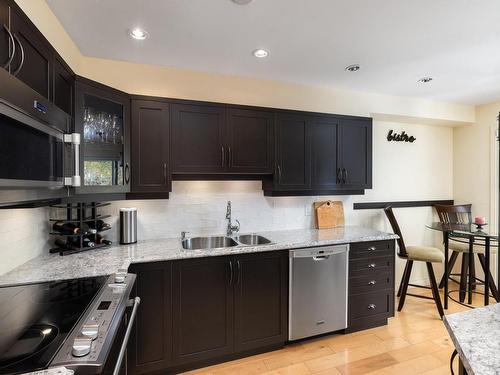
150 344
371 284
195 312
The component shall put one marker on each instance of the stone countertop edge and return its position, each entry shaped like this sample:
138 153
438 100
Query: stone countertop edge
476 336
106 261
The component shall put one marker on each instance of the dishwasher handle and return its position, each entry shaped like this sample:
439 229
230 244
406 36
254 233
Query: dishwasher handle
319 253
321 257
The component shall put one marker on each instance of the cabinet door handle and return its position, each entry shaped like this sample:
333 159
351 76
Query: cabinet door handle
339 176
223 156
229 157
11 40
127 173
279 174
372 282
16 72
230 272
372 265
371 306
372 248
344 173
238 270
165 179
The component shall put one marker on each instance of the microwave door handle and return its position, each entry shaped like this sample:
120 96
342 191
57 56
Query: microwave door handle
74 140
123 348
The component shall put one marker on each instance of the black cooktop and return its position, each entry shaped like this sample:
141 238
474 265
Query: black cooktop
36 318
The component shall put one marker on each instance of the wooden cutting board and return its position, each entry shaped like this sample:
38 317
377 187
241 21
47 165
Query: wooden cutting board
329 214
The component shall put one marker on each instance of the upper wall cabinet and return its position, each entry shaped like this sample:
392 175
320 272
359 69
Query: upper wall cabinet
355 153
32 61
321 154
150 147
198 139
26 54
218 139
292 153
249 141
5 36
102 119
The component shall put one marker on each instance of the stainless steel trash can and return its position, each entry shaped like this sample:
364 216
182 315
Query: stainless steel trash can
128 225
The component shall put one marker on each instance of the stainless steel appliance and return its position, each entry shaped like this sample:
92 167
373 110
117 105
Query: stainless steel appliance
37 155
81 324
128 225
318 291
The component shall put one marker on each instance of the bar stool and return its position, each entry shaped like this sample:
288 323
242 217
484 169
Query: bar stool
412 254
462 214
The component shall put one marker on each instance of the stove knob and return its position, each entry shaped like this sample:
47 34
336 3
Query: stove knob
120 278
90 330
81 346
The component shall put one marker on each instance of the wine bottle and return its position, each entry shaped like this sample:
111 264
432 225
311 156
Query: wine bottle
71 228
62 244
99 225
100 240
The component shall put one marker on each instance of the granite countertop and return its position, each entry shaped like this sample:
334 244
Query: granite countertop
476 335
51 267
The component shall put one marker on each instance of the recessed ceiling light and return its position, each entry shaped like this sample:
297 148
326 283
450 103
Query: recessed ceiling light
352 68
425 80
260 53
138 33
242 2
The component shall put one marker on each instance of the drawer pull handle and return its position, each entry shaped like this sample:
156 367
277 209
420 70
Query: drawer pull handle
372 265
371 306
372 248
372 282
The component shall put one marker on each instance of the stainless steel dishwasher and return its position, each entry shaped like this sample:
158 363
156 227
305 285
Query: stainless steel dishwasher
318 291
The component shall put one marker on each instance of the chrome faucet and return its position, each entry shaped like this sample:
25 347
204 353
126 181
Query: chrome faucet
230 227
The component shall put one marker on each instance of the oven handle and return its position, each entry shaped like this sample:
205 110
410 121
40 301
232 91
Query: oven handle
74 140
119 361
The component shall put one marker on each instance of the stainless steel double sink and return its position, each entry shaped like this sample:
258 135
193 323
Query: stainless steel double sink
214 242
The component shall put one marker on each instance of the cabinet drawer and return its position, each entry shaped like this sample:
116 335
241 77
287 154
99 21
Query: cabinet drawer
370 282
371 304
370 265
371 249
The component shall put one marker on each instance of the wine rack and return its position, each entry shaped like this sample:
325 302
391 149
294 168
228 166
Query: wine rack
79 215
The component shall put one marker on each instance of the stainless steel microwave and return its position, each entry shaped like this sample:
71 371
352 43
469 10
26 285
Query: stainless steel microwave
38 155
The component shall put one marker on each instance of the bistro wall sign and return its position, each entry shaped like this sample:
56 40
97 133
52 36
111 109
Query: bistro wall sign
403 137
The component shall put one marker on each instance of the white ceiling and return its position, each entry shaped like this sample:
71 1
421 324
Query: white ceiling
396 42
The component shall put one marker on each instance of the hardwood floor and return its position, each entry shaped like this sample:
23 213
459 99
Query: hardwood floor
414 342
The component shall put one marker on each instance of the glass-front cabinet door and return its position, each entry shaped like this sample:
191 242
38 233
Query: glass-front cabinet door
102 119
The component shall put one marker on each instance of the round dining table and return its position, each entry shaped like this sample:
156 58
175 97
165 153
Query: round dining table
471 234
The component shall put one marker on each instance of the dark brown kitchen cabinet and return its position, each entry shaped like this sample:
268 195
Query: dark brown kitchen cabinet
260 301
33 58
63 86
321 154
355 153
150 128
198 139
102 117
203 309
292 170
325 166
150 344
5 38
250 141
371 284
26 54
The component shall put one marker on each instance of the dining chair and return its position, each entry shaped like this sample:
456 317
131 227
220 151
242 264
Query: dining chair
412 254
462 214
